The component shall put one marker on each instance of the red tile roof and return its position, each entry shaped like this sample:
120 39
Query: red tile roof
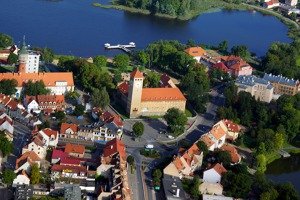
69 161
164 81
235 157
231 126
162 94
195 51
71 148
59 154
45 99
65 126
124 88
49 79
30 156
107 117
136 74
49 132
219 169
113 147
218 132
13 105
73 169
221 66
178 164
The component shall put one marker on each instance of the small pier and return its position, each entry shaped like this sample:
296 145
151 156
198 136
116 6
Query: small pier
120 46
283 153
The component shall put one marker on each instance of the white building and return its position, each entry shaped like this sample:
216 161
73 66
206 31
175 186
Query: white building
50 137
21 179
214 174
26 161
37 145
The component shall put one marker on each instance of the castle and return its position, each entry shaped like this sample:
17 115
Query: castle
59 82
141 101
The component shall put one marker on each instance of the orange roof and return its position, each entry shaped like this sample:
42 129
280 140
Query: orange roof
58 99
195 51
178 164
162 94
194 150
206 139
49 132
65 126
113 147
218 132
124 88
107 117
239 65
71 148
235 157
30 156
219 169
49 79
231 126
136 74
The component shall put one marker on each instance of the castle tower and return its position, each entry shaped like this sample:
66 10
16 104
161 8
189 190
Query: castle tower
23 57
135 94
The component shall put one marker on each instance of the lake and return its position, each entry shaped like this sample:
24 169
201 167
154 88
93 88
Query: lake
285 170
75 27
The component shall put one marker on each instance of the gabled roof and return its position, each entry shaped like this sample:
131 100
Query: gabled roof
13 105
59 154
206 139
71 148
235 157
221 66
165 81
50 79
195 51
136 74
218 132
178 164
30 156
124 88
65 126
219 169
107 117
49 132
231 126
58 99
113 147
69 161
162 94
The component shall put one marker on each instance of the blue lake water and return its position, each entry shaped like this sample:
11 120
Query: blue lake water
75 27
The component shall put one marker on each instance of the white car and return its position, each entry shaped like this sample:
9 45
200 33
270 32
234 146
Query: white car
171 137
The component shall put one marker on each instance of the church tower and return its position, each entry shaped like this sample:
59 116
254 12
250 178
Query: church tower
23 57
135 94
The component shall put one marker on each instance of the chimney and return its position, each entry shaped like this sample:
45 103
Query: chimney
177 192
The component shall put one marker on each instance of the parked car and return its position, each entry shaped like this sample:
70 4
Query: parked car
149 146
171 137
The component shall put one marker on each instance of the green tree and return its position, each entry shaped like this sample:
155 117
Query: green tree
6 146
12 58
79 110
35 175
47 55
142 57
223 46
100 98
8 176
8 86
157 174
130 159
237 185
100 61
152 80
59 115
241 51
287 191
121 61
138 129
261 163
176 120
117 77
37 88
202 147
223 157
6 40
278 140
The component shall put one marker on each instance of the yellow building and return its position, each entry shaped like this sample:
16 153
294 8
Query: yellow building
141 101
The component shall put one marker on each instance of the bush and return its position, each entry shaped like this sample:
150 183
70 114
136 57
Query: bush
150 153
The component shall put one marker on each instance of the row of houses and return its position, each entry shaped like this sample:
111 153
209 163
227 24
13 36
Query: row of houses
188 161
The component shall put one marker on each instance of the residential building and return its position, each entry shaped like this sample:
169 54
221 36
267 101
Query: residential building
96 112
57 155
271 3
291 2
237 66
216 197
261 89
68 171
50 137
21 179
141 101
196 52
6 52
6 125
26 161
232 129
23 192
221 66
214 174
235 157
186 162
75 150
72 192
283 85
48 103
173 188
38 145
113 122
69 131
114 157
166 82
215 138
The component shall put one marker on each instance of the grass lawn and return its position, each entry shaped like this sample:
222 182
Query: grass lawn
7 69
248 142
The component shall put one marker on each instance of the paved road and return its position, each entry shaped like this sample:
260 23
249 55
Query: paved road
201 125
